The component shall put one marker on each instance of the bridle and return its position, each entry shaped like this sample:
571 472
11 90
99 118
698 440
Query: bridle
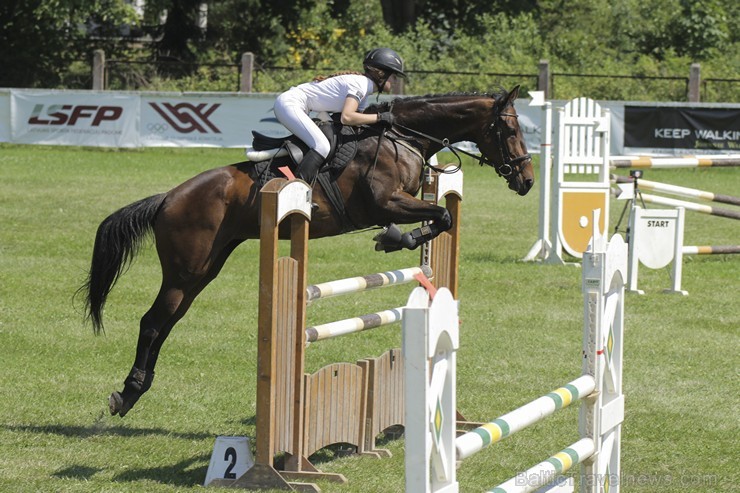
509 168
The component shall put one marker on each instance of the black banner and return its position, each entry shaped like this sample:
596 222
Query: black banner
682 128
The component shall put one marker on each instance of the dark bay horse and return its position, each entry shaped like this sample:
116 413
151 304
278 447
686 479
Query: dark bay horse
197 224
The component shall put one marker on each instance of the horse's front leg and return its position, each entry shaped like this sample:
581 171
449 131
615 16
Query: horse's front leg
403 208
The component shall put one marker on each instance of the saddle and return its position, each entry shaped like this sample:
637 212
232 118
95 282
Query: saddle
342 140
272 153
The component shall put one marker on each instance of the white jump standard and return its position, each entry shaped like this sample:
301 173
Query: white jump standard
431 339
656 236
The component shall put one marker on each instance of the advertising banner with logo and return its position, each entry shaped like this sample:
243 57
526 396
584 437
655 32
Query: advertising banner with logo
4 116
206 120
70 118
117 119
704 129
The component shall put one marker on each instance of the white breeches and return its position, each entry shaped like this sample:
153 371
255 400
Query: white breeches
290 110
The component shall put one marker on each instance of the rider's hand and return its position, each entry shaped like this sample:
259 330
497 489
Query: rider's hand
385 119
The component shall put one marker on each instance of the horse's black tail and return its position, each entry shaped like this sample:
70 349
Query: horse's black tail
117 242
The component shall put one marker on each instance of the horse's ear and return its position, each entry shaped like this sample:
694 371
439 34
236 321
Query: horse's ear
513 94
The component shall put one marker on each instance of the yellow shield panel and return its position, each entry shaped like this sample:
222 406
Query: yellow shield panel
576 214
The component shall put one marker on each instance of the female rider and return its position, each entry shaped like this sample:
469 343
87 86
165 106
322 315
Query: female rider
345 92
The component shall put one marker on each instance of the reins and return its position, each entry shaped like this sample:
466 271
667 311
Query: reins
445 143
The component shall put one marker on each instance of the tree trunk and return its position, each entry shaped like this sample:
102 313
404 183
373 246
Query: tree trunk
399 14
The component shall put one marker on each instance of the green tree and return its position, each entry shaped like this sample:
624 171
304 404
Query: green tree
293 40
702 29
39 39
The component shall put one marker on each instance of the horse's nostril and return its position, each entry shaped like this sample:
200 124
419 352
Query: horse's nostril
529 183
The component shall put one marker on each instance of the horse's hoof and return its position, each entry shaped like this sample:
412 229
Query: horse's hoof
115 403
391 235
388 240
379 247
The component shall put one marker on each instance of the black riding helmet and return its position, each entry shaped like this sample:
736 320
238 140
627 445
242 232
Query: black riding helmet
387 61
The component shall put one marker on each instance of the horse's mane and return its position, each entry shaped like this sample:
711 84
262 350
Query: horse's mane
386 105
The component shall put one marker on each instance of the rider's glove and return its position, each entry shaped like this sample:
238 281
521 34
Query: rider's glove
385 119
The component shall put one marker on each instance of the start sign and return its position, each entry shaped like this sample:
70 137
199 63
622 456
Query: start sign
656 240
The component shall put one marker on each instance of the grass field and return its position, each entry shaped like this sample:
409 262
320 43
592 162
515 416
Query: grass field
520 338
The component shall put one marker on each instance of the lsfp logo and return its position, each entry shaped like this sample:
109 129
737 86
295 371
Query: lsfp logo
187 117
68 114
183 117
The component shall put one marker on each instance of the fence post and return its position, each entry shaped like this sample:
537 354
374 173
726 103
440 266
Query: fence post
247 70
543 79
397 86
98 70
695 83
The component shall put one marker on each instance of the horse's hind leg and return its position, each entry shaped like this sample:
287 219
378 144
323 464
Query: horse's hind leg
155 323
173 301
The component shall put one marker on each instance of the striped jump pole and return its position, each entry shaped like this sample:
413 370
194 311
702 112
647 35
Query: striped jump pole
547 471
364 283
680 191
476 440
355 324
691 206
710 250
726 160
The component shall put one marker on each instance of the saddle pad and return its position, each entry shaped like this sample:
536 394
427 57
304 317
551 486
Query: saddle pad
346 150
347 143
267 170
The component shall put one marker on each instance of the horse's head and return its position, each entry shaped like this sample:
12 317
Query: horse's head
502 145
488 120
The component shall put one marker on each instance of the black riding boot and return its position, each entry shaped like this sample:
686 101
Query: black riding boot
309 166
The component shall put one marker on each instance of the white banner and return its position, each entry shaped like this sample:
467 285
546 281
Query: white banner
206 120
68 118
120 119
5 116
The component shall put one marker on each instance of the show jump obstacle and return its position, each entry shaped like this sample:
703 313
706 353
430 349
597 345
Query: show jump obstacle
349 403
429 346
656 236
581 149
580 179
